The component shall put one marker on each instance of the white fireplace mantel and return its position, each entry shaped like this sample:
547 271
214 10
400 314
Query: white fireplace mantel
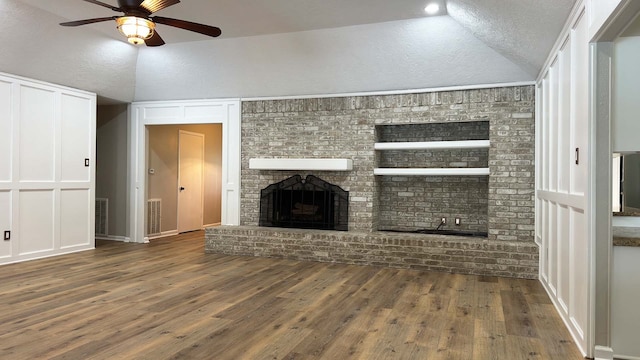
301 164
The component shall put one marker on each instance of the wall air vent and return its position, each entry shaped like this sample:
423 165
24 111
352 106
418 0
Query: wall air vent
102 216
154 216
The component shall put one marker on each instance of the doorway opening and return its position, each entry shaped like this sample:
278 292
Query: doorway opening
183 177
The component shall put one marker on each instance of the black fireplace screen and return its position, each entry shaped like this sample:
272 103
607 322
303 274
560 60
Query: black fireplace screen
309 203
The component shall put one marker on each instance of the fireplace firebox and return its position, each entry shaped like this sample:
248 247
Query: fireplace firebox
309 203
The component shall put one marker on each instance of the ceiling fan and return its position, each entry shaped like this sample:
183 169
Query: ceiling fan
138 25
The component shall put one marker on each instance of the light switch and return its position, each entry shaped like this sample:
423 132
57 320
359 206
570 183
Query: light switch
86 162
7 235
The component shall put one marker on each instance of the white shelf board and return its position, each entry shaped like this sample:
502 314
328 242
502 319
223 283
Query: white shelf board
431 171
301 164
426 145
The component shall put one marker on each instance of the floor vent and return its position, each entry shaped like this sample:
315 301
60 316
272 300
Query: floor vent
102 216
154 214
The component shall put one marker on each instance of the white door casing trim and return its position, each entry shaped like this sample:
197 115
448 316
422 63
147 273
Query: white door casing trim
225 112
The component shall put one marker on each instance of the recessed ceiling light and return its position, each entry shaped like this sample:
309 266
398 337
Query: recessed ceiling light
432 9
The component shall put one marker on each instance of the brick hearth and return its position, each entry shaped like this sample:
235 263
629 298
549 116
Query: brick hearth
398 250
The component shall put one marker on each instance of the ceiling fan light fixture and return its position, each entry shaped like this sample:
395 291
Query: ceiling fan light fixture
136 29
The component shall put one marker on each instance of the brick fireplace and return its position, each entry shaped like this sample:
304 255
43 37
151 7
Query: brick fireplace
309 203
500 203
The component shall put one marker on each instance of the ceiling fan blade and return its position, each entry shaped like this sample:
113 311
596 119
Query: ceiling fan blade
157 5
129 4
87 21
154 40
114 8
188 25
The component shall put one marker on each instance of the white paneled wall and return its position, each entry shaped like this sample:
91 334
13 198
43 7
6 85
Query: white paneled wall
5 223
35 222
5 130
47 139
561 227
73 210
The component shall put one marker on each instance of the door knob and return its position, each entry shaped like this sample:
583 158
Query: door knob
181 188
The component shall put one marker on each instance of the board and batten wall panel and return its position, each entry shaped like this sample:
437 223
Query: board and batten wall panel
37 125
6 132
579 112
562 230
5 223
74 218
46 191
36 221
578 307
552 125
75 144
564 107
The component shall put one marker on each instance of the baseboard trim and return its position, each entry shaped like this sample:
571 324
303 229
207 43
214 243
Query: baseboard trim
626 357
113 238
210 225
162 235
602 353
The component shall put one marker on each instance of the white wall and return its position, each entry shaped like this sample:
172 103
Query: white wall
562 195
598 14
46 185
418 53
625 289
111 166
625 121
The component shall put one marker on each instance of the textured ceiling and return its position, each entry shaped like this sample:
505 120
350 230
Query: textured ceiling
240 18
522 31
518 32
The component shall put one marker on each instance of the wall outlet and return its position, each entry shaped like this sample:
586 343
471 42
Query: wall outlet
458 221
443 220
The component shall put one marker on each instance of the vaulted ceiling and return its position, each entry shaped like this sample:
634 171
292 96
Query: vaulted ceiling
283 47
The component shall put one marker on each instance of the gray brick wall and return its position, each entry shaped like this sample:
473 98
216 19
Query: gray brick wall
347 127
511 183
419 202
310 128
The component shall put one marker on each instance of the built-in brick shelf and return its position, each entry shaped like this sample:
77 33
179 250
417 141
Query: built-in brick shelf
443 253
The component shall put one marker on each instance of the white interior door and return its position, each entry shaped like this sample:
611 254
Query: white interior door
190 181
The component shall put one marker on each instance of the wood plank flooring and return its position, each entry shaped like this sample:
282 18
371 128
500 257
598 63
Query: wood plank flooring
170 300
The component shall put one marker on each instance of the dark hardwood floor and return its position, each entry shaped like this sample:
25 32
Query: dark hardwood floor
170 300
